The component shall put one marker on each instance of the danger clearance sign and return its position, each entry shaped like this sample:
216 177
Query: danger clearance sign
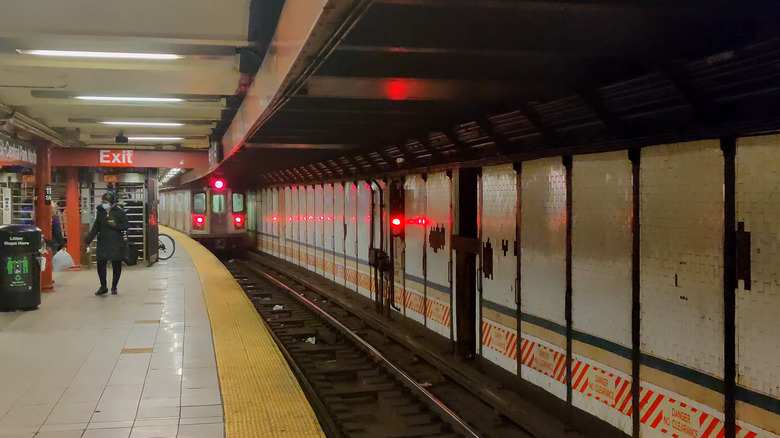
116 158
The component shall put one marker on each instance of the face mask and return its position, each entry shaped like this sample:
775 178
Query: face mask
105 206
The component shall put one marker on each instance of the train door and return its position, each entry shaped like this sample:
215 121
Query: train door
199 210
218 208
180 211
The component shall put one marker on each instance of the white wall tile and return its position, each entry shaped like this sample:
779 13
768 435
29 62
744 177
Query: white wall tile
681 217
543 237
758 206
602 246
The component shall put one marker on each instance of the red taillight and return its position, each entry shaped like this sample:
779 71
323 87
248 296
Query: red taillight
238 221
219 184
198 222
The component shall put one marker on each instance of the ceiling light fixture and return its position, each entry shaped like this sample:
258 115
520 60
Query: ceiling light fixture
116 123
155 138
105 55
129 99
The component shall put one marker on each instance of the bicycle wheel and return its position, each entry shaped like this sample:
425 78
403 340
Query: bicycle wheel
165 246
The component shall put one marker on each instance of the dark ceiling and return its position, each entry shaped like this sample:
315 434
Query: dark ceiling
416 83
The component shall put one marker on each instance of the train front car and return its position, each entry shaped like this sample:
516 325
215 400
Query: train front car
214 216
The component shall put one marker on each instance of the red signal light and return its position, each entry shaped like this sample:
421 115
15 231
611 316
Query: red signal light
198 222
396 221
219 184
238 221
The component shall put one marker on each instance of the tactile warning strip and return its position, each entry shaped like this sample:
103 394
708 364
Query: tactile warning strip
260 394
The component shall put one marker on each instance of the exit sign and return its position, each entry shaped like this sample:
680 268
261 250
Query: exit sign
116 158
111 178
28 179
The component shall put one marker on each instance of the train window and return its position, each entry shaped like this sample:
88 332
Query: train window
218 203
238 202
199 203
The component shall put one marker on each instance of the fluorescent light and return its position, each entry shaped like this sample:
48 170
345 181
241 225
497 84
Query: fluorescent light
130 99
142 123
111 55
155 138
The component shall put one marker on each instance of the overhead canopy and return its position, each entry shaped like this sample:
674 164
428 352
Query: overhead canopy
419 82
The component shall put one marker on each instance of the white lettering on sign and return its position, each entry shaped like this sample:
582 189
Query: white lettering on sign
11 150
681 420
114 158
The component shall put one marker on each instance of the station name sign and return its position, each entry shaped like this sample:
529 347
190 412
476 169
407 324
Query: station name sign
116 158
14 151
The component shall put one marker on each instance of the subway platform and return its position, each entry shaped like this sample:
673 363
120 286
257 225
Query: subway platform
179 352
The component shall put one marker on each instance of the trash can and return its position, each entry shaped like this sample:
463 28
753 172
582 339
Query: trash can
20 272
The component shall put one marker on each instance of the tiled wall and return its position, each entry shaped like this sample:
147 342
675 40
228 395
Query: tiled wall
543 276
681 203
414 282
758 309
681 206
544 239
601 281
438 226
681 272
498 220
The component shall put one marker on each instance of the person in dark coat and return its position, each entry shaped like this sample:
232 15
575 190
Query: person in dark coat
110 223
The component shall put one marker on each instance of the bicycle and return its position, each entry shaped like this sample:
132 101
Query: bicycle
165 250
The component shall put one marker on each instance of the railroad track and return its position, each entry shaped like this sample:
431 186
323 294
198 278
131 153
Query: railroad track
362 383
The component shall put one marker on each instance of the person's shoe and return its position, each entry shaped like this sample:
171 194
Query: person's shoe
114 291
102 291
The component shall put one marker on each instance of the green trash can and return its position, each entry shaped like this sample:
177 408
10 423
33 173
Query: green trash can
20 272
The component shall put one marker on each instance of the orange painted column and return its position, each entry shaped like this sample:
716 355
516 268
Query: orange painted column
43 210
72 211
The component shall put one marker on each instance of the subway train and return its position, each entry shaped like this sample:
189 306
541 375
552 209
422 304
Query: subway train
214 216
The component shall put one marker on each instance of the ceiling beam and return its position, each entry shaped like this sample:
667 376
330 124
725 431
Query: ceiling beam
529 112
425 141
487 127
275 146
391 163
596 105
705 110
374 167
409 88
409 158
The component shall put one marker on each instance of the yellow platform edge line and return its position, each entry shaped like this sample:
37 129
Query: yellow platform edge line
260 394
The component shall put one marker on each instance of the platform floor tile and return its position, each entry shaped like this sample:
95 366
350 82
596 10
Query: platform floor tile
139 364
